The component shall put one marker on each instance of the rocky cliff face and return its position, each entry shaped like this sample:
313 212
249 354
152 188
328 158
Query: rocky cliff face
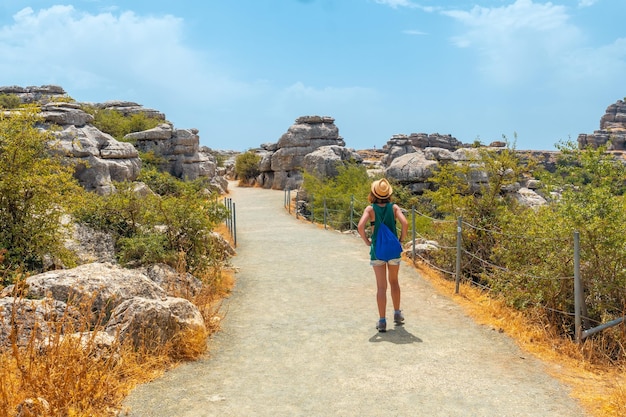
612 130
282 162
99 158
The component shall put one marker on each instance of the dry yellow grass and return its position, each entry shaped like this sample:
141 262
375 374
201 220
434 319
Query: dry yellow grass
599 388
72 377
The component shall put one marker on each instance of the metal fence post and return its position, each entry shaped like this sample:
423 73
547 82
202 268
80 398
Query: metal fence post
297 199
577 289
234 232
312 208
458 253
325 213
351 211
413 234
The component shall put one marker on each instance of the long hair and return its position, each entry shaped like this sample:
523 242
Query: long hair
375 200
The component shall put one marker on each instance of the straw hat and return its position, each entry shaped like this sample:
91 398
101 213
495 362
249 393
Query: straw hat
382 189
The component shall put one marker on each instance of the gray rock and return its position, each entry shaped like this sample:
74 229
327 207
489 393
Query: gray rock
153 322
36 319
281 163
325 160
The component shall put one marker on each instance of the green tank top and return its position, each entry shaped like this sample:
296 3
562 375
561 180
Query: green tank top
382 214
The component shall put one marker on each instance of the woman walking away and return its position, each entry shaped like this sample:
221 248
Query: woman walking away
383 211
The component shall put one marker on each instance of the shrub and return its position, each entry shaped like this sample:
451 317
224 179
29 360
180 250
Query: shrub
247 166
151 228
9 101
35 189
117 125
348 190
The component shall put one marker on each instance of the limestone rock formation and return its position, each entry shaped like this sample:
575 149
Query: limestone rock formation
99 158
282 162
612 130
402 144
325 160
33 94
415 170
180 148
127 302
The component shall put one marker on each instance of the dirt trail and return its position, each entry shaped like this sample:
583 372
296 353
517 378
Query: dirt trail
298 339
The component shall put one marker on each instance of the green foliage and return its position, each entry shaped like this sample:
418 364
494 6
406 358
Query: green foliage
9 101
151 228
162 183
35 189
527 254
117 125
473 190
349 188
247 166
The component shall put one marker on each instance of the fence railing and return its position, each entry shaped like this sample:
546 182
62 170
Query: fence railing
231 219
344 215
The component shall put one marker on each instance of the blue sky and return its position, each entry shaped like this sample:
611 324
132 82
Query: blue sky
241 71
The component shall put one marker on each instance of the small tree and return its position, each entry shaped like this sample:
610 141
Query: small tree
35 188
247 167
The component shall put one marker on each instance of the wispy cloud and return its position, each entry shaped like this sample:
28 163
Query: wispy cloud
405 3
520 41
117 52
587 3
414 32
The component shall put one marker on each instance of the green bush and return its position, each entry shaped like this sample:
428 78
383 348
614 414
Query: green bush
117 125
35 190
349 188
9 101
152 228
247 166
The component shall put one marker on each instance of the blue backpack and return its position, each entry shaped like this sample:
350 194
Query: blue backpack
387 244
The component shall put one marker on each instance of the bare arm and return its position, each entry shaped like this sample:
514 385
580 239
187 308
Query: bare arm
366 218
403 222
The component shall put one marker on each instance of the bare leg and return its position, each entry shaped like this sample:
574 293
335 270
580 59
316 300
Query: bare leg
381 289
395 286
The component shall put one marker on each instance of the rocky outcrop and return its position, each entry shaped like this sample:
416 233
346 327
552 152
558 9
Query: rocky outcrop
325 161
127 303
99 158
400 145
282 162
612 131
415 170
180 148
42 94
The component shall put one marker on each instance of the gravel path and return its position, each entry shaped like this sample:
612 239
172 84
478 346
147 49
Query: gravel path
298 339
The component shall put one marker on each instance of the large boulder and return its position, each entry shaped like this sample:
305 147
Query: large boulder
127 303
325 160
153 322
23 320
282 163
413 170
98 158
104 286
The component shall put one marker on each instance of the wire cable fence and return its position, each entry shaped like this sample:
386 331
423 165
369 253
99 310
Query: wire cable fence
425 233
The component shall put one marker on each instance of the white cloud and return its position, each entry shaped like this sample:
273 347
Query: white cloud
405 3
586 3
521 41
396 3
413 32
117 52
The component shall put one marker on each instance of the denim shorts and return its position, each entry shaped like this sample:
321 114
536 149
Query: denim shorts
378 262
